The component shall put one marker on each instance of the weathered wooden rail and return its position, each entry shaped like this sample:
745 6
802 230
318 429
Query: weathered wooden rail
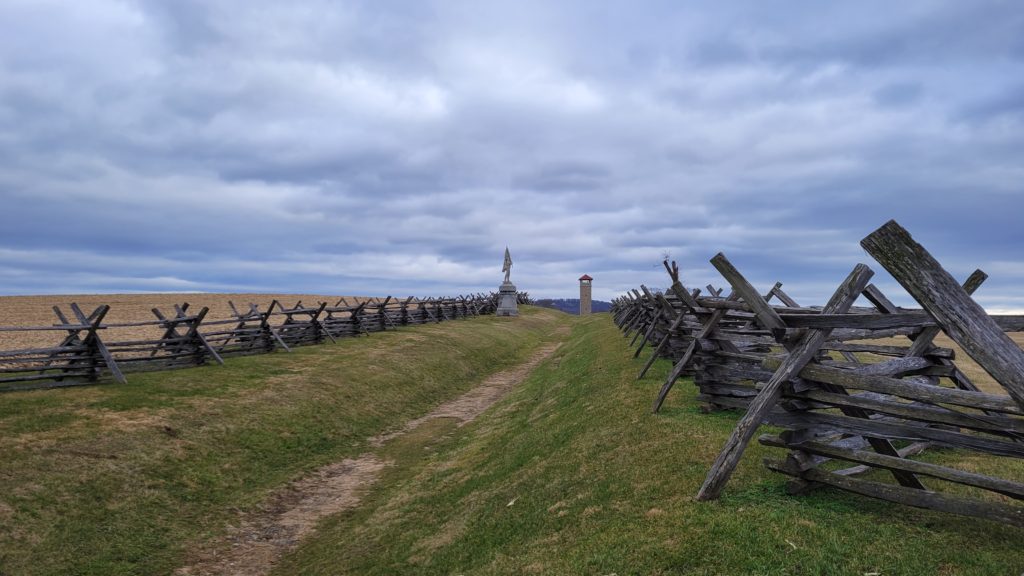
840 395
91 351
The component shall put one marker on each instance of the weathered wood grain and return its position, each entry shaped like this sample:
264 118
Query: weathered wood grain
945 300
918 498
799 356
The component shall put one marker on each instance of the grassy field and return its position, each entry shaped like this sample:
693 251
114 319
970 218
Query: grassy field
964 362
572 475
126 479
124 308
569 474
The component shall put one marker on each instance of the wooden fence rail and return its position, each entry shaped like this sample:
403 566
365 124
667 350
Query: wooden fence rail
840 387
91 351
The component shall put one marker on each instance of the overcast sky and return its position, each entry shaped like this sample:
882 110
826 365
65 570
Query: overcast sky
397 148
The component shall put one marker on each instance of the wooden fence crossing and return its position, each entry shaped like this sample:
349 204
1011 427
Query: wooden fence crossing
90 351
842 391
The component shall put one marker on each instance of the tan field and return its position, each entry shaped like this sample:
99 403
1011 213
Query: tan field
128 308
963 361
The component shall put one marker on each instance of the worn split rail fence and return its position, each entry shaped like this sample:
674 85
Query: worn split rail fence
849 399
91 350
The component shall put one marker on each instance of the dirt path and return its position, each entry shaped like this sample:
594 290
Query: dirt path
292 513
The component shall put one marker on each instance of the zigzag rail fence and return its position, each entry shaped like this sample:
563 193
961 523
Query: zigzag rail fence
841 396
89 351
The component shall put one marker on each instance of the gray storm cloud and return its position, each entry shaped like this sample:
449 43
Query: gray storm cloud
361 147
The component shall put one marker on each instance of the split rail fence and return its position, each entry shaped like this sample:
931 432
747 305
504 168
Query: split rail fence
90 350
849 399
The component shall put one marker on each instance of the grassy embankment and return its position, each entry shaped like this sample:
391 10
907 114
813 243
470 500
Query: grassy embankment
124 479
570 474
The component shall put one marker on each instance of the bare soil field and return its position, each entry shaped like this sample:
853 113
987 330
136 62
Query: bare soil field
128 308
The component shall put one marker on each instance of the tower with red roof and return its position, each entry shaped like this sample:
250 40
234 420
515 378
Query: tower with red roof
585 294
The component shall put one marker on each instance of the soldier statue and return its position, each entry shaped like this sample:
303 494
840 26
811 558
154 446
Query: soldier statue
507 268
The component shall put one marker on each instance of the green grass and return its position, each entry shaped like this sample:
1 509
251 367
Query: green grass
571 475
124 479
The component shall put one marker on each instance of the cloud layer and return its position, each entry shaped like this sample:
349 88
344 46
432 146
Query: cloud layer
372 148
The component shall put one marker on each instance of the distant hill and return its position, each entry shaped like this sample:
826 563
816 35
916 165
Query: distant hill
572 305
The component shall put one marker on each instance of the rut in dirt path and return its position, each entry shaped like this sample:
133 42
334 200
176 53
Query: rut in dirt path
292 513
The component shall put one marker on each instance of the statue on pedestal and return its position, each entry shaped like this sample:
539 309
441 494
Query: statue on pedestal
508 301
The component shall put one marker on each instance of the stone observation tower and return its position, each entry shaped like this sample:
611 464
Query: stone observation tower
585 294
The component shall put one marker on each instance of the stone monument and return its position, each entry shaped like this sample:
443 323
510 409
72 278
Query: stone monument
508 303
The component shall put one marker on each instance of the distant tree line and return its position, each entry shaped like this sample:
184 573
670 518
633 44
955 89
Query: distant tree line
572 305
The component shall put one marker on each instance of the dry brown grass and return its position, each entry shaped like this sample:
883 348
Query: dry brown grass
963 361
126 308
971 368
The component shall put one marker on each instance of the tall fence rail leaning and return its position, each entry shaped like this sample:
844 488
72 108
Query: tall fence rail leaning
88 350
855 389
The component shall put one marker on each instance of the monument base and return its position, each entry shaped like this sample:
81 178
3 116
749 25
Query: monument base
508 303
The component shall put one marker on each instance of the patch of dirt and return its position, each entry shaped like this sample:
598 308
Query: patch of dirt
6 512
447 534
127 420
468 406
535 568
287 517
291 514
557 505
